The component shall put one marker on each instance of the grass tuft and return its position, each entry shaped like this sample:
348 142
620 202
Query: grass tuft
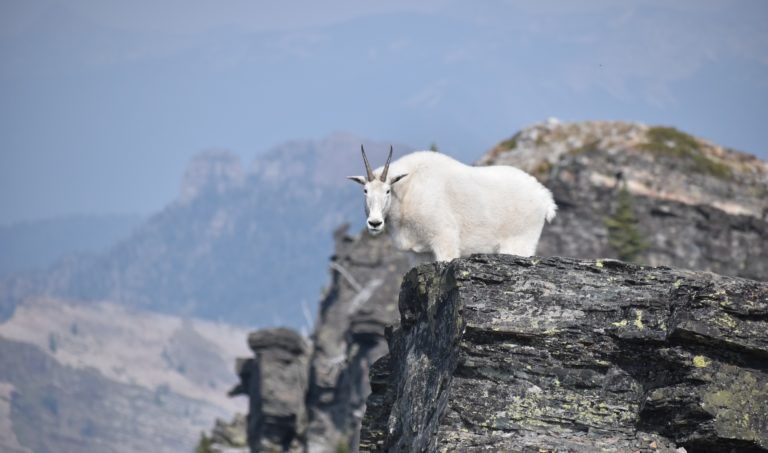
670 142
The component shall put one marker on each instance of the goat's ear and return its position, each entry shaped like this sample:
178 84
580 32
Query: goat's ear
358 179
397 178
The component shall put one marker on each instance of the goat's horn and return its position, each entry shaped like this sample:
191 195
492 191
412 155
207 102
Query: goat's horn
367 165
386 166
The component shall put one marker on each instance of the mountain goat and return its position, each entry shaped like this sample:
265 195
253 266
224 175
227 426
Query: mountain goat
430 202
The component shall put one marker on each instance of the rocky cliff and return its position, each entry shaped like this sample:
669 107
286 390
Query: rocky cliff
698 205
690 203
354 312
328 404
501 353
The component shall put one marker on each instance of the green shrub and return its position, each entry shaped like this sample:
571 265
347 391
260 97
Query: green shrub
510 143
342 446
590 145
204 445
670 142
543 168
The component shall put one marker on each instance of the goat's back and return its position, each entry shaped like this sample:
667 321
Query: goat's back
500 198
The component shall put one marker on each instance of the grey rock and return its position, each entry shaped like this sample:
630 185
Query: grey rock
229 437
502 353
357 306
699 237
658 162
691 217
275 381
325 415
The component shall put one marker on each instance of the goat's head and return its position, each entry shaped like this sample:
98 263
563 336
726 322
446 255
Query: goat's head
378 196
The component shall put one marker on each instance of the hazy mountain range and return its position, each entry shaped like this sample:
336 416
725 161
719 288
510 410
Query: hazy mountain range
239 244
119 334
103 378
34 245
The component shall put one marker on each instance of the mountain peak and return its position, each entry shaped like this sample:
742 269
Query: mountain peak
655 161
212 170
323 163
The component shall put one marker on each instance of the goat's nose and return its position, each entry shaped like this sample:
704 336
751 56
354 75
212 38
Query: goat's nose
375 223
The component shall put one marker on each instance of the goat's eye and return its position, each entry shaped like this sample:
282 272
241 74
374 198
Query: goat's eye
387 192
365 190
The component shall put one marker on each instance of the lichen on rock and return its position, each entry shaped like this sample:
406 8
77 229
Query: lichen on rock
555 354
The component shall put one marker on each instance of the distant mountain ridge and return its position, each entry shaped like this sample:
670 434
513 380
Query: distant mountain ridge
35 245
237 245
86 356
103 378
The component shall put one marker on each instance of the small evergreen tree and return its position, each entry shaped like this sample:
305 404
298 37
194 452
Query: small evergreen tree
623 234
433 147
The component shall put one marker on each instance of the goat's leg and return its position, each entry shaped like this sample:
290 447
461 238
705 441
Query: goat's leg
416 259
523 245
445 248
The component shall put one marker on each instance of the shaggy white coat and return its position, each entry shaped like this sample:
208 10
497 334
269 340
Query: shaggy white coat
451 209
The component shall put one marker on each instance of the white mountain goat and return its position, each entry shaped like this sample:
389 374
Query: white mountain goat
433 203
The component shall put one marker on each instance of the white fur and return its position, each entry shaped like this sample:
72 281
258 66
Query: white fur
450 209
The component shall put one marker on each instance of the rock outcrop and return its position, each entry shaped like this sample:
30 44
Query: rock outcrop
275 380
698 205
656 161
325 407
501 353
226 437
360 302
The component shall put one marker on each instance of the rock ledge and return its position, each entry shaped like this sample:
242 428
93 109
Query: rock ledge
501 353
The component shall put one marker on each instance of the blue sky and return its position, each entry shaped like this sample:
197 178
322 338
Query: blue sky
104 102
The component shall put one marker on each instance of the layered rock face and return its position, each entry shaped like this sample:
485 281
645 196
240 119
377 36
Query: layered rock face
656 161
501 353
360 302
698 205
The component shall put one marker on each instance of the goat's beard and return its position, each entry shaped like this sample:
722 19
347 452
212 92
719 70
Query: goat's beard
375 232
